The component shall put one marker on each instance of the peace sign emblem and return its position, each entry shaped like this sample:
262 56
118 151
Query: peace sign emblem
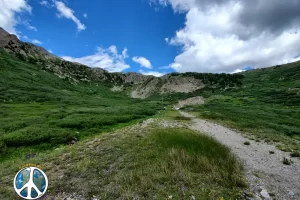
30 183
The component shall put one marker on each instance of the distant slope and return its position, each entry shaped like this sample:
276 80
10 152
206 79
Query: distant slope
266 105
279 84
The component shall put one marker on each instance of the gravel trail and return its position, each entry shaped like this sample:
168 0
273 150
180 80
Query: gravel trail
266 174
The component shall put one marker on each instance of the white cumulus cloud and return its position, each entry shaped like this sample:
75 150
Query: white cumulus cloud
68 13
124 53
32 28
144 62
153 73
29 26
113 50
9 9
238 71
85 15
44 3
224 36
36 42
108 59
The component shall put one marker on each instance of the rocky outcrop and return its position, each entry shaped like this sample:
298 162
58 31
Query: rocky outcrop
134 78
190 102
5 37
167 84
23 50
181 84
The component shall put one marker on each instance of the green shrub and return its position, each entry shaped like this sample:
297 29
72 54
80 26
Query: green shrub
295 154
3 147
36 135
286 161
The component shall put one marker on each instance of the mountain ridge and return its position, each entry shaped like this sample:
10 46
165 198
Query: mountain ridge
38 55
135 84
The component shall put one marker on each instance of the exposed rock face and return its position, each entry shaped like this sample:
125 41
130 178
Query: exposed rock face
147 88
135 78
5 37
190 101
27 51
181 84
167 84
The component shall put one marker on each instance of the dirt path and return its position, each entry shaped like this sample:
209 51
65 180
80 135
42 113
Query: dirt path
265 172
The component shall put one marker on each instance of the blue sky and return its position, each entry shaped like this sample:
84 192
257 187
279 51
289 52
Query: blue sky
137 26
160 36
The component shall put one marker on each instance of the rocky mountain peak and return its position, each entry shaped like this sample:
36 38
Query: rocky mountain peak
6 37
23 50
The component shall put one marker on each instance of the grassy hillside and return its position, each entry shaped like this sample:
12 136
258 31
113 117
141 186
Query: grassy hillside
39 110
267 105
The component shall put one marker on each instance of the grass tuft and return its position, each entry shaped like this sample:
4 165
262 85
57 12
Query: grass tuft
194 152
286 161
182 118
295 154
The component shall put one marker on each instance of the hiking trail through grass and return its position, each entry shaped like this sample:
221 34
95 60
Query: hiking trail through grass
264 168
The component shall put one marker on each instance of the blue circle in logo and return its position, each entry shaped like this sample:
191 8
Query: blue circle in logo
30 183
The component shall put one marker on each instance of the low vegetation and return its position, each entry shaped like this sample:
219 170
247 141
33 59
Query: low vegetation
286 161
295 154
136 162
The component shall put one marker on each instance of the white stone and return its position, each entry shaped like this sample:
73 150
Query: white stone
265 194
291 193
